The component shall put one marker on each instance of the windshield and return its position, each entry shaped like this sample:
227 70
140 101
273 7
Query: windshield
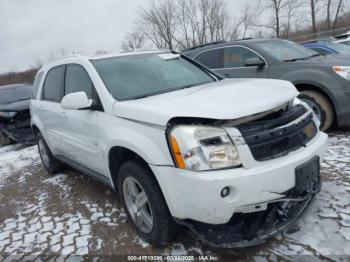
285 50
340 48
138 76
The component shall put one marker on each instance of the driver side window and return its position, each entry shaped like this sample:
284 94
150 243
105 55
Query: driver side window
78 80
236 56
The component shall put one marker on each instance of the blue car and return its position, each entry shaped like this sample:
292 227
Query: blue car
326 47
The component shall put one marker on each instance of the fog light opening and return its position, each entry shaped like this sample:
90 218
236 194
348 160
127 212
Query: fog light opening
225 192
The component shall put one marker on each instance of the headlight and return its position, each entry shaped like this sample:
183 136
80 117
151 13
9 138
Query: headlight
8 114
343 71
202 148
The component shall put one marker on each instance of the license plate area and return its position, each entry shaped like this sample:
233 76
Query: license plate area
307 176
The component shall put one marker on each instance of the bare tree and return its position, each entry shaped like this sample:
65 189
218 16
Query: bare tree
339 6
159 23
290 13
276 6
329 4
249 21
333 8
133 40
313 15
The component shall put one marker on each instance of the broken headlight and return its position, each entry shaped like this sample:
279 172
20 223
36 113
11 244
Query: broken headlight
7 114
201 148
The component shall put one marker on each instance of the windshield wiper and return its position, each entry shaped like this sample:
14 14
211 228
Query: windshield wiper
295 59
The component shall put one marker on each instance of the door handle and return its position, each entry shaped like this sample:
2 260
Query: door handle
64 114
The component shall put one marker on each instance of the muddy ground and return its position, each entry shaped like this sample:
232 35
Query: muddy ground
72 214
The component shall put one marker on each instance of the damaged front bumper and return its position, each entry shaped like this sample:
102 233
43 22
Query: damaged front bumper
18 131
245 230
255 227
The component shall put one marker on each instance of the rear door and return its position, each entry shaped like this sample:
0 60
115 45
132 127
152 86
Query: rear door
48 108
80 139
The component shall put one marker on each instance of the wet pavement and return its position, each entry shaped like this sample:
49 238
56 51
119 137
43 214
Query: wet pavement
72 214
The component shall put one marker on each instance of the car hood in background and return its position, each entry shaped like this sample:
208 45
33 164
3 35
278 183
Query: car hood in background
326 60
224 100
16 106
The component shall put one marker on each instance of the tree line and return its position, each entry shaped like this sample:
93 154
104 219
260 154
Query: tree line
181 24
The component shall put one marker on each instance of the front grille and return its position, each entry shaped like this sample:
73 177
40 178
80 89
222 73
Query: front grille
277 135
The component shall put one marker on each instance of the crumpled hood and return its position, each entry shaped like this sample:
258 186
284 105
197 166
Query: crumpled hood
225 100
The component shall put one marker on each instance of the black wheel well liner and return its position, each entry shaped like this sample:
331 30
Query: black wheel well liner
35 130
313 87
119 155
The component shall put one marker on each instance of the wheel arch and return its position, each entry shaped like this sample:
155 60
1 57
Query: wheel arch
303 86
117 156
35 130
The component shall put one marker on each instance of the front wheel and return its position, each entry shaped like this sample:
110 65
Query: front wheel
145 204
51 164
321 106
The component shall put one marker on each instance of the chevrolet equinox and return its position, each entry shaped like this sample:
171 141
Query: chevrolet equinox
234 163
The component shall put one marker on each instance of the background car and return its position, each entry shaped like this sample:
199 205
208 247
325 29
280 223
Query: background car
327 47
324 81
343 38
14 114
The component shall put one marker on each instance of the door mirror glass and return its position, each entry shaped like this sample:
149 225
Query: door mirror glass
76 101
254 62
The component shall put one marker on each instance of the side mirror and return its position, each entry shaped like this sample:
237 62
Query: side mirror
254 62
76 101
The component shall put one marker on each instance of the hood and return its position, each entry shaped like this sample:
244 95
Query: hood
327 60
225 100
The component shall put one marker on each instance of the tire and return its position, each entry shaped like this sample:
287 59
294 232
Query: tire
163 227
321 106
4 140
51 164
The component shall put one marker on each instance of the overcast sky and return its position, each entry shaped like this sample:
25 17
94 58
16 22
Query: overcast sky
32 29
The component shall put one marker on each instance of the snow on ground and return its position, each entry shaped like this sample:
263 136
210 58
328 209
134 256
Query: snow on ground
70 213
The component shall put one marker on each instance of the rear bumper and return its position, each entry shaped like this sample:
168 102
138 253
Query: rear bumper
197 195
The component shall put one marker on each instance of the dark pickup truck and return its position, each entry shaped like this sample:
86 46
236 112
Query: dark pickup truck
14 114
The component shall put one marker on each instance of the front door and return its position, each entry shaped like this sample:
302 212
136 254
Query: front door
80 139
234 64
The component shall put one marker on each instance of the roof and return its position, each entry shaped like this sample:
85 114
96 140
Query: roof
228 43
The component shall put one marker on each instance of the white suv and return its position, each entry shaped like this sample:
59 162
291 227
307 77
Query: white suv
236 161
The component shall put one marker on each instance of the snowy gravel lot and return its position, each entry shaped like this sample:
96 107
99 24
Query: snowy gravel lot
71 214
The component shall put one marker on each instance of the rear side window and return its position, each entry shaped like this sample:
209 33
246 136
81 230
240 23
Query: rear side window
53 86
77 80
212 59
37 81
235 56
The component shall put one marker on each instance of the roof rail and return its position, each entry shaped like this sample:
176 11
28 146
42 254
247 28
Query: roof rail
70 55
207 44
140 50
